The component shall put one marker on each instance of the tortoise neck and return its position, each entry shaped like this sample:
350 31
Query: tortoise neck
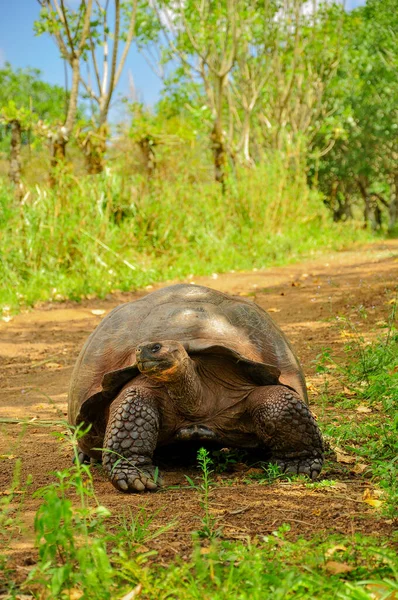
185 388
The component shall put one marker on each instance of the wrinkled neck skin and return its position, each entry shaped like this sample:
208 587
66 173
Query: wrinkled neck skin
185 388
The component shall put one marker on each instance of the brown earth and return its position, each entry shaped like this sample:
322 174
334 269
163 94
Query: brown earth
38 349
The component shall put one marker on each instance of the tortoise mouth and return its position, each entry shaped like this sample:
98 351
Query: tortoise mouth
156 367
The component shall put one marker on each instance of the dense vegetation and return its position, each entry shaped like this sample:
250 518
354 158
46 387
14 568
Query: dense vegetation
275 136
274 121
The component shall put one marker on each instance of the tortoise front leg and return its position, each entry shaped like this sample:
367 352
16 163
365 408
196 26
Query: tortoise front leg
284 423
130 440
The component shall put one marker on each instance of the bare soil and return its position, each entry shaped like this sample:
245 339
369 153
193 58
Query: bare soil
39 347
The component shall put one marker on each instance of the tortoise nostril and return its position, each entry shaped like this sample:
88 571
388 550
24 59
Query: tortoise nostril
155 348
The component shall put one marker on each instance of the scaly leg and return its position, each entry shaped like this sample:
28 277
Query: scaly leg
130 440
285 424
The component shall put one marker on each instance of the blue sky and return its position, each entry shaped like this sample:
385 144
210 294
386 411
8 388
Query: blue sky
20 47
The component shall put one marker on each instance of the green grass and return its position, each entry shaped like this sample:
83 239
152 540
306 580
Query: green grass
97 234
83 552
370 372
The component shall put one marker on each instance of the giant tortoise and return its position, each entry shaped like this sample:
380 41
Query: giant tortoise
190 363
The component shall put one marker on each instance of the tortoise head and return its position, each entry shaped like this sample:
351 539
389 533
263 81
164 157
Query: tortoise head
160 360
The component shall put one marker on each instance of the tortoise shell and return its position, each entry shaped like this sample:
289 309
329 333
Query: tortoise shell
203 320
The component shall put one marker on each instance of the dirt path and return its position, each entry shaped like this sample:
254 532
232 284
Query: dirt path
38 350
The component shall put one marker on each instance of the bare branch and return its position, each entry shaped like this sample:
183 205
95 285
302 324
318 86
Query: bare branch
89 90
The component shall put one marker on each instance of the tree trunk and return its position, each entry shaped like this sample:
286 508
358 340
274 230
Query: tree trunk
58 154
249 162
93 145
146 145
367 208
15 153
219 153
393 208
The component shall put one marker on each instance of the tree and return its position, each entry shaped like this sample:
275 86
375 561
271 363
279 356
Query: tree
360 168
24 101
205 36
106 75
71 30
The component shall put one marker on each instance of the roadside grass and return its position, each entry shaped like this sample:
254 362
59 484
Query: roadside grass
82 554
369 377
92 235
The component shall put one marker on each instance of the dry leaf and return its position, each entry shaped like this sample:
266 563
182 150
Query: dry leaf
345 458
373 502
335 568
349 392
98 311
205 550
8 456
363 409
273 310
370 497
312 388
338 548
73 594
53 365
359 468
134 593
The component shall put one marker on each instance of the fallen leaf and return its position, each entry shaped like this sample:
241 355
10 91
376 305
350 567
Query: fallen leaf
98 311
274 310
370 497
363 409
134 593
345 458
53 365
349 392
8 456
73 594
348 334
373 502
336 568
254 471
359 468
338 548
205 550
312 388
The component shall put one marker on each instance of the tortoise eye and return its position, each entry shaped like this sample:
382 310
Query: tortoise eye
155 348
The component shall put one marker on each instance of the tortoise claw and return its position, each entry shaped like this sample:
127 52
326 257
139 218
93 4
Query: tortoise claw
301 466
129 478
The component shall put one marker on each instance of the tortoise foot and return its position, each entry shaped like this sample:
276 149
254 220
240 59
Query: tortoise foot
286 426
82 458
300 466
130 441
127 477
